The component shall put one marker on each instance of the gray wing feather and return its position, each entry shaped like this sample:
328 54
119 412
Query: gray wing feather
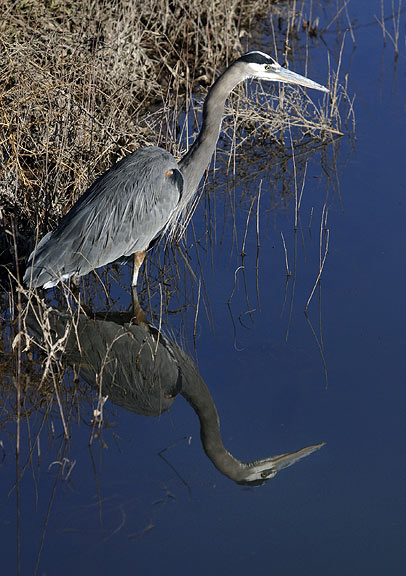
127 208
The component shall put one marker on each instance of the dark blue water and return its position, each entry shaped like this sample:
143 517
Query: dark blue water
342 509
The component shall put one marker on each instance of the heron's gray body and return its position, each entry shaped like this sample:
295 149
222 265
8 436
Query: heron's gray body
105 224
135 201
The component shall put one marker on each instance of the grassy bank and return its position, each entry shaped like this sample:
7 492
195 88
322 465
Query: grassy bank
85 83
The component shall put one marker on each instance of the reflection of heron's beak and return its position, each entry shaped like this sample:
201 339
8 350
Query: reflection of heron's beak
258 472
285 75
286 460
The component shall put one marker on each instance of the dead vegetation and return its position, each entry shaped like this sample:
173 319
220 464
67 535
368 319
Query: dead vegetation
78 79
83 84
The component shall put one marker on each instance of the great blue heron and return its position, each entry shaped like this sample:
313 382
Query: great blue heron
130 206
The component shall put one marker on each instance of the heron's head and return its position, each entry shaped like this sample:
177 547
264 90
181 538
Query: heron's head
257 473
264 67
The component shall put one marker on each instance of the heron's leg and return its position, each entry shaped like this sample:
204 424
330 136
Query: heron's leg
138 313
138 260
74 285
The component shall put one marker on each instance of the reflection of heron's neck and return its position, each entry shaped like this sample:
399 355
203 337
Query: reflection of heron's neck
198 158
197 394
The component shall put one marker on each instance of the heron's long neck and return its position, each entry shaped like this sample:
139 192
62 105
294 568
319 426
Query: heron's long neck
195 391
198 158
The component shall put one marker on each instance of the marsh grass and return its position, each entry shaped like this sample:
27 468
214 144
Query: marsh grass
77 82
78 78
390 25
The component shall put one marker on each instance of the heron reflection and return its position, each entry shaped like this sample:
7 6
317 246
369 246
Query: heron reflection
142 370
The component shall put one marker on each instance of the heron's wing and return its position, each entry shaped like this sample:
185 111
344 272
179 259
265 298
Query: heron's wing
121 213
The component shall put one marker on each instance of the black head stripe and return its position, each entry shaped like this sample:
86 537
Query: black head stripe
256 58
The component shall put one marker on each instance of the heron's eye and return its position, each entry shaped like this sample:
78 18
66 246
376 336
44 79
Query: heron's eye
264 474
268 67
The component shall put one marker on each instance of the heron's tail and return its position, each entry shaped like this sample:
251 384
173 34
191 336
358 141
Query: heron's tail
38 272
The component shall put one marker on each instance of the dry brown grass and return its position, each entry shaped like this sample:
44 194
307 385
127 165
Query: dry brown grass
83 84
78 77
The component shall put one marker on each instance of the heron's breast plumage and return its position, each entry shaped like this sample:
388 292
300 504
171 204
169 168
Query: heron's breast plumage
121 213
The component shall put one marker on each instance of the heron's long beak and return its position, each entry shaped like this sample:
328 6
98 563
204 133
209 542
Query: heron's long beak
285 75
286 460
